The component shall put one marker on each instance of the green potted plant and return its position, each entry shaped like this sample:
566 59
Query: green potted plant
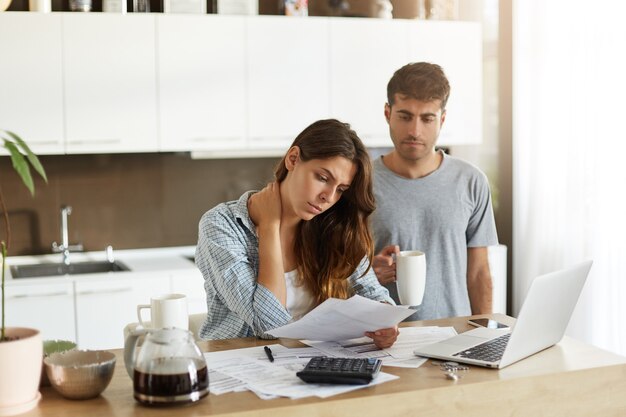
21 348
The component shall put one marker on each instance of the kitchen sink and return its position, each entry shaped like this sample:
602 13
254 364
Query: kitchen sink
55 269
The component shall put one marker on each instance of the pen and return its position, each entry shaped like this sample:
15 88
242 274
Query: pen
268 352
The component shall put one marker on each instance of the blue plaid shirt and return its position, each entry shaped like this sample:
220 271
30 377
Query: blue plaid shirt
227 254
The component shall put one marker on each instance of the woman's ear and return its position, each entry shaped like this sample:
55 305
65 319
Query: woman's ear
292 157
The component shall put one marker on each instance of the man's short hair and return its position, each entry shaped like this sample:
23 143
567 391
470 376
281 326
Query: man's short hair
422 81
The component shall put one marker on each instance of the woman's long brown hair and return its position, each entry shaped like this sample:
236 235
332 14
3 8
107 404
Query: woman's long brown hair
329 247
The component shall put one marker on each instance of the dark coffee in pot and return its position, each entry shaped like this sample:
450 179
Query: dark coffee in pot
159 387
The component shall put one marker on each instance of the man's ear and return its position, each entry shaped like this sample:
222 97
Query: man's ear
387 112
292 157
443 118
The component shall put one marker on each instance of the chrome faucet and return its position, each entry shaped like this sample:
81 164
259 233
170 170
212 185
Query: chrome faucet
65 247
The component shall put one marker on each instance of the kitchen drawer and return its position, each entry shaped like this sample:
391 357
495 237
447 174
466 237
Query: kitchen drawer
48 307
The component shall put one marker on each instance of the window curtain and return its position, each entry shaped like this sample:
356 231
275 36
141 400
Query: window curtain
569 156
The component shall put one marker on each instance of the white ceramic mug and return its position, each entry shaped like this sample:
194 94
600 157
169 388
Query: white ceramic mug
167 310
411 277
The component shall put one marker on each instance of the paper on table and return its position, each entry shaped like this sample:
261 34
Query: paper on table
343 319
294 355
361 347
400 354
410 338
248 368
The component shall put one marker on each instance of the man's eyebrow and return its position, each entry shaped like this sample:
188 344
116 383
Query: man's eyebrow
425 114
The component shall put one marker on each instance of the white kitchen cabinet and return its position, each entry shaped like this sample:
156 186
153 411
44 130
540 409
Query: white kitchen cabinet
191 284
288 73
31 79
228 85
110 83
105 305
457 47
364 53
202 82
47 306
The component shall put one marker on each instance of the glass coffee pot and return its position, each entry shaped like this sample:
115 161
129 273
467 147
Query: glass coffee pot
168 368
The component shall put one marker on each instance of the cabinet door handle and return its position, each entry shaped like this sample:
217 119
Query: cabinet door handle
215 139
50 294
93 142
272 139
117 290
46 142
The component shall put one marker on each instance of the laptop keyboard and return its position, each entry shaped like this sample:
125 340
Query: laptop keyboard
490 351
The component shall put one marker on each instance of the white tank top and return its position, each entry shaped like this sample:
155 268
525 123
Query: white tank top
299 299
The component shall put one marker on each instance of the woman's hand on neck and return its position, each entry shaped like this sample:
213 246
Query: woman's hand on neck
265 211
265 207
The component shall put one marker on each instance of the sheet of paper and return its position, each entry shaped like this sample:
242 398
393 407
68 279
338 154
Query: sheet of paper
343 319
295 388
400 354
411 338
220 382
284 355
361 347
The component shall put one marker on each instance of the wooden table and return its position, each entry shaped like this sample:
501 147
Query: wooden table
569 379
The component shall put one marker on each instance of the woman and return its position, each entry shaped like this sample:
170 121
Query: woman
273 255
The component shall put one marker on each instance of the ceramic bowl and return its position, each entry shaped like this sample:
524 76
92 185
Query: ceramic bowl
80 374
50 347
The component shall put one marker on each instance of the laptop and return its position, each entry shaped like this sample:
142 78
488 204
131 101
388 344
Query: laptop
541 323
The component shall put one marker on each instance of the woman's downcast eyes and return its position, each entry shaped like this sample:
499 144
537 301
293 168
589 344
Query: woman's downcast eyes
324 179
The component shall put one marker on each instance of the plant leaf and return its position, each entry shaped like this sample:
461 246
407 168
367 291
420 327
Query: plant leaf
21 166
34 161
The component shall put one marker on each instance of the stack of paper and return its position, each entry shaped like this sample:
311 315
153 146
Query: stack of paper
249 369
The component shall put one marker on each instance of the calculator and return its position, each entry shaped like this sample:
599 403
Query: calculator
322 369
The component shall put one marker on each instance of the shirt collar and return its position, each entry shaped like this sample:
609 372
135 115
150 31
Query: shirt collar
240 210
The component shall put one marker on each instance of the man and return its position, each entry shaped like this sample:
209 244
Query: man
432 202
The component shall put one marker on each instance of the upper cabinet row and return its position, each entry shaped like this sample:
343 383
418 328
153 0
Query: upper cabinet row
102 83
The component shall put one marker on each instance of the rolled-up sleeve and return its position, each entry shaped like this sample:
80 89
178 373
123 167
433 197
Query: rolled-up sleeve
367 285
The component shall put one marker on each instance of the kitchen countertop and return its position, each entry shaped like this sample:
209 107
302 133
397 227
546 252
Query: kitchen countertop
137 260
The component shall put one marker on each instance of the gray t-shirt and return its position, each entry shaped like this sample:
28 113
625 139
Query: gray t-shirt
441 214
